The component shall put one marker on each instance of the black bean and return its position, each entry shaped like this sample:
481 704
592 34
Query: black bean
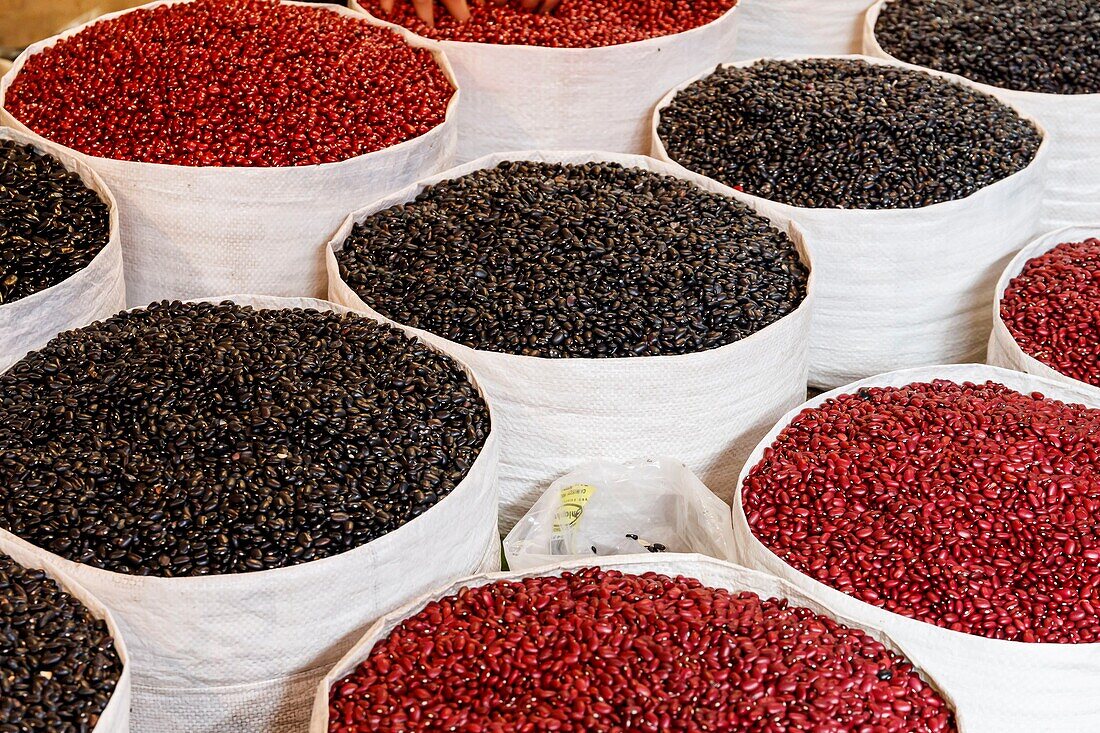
1046 46
58 665
195 439
591 260
845 134
51 225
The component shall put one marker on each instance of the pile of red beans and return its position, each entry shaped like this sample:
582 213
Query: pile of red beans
572 24
240 83
969 506
603 651
1052 309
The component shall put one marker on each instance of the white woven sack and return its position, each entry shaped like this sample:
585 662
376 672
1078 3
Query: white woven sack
1003 349
1071 192
904 287
532 97
1003 686
784 27
115 718
242 653
709 571
706 409
95 292
193 232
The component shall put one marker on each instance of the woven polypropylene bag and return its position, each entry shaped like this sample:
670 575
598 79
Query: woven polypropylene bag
1003 349
904 287
706 409
242 653
709 571
1003 686
1071 191
782 27
533 97
115 718
95 292
193 232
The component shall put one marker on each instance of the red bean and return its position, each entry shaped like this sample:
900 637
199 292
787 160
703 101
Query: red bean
231 83
603 651
573 24
972 507
1052 309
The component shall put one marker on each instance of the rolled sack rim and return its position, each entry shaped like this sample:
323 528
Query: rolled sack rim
1037 247
958 373
35 560
275 577
873 48
94 182
778 220
548 51
431 136
1033 169
629 565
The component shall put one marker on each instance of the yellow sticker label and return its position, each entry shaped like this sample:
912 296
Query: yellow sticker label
574 498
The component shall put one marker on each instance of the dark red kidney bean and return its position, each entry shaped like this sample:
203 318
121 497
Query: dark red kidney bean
968 506
241 83
572 24
1052 309
602 651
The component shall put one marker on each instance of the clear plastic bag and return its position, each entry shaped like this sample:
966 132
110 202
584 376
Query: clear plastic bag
606 508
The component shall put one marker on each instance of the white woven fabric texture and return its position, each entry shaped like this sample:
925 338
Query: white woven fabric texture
706 409
192 232
653 499
1003 349
236 653
530 97
94 293
1000 686
782 27
1071 191
905 287
709 571
116 716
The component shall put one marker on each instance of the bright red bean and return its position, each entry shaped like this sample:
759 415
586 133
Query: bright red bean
231 83
1052 309
603 651
972 507
572 24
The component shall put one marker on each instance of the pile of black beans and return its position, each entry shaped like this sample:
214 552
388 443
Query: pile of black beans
51 224
58 666
195 439
845 134
588 260
1046 46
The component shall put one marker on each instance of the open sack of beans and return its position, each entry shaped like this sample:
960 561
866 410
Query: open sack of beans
609 309
63 662
248 487
669 644
1042 56
60 255
913 189
782 27
957 508
236 135
583 77
1046 316
605 508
